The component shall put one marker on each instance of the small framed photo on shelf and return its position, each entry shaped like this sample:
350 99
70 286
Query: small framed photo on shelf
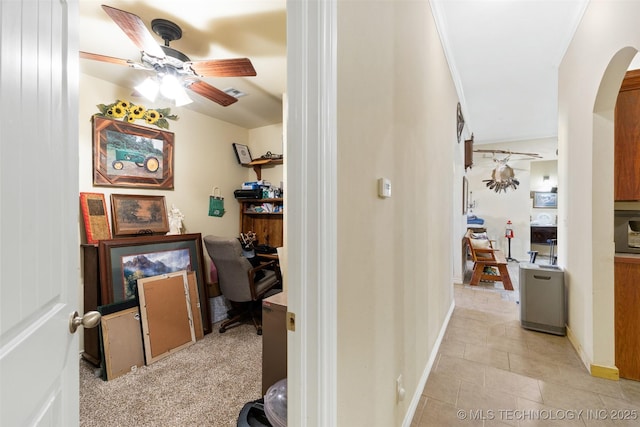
242 153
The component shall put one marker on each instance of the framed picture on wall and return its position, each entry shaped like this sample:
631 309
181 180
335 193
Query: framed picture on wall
129 155
543 199
242 153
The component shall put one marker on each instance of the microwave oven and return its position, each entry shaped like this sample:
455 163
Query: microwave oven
626 231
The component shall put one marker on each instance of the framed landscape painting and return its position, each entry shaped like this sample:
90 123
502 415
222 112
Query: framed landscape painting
125 260
136 214
129 155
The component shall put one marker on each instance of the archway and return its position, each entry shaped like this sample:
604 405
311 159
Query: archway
602 231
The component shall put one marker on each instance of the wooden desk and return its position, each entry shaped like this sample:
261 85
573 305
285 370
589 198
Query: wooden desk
274 340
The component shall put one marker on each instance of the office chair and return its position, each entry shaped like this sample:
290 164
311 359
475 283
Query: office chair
238 283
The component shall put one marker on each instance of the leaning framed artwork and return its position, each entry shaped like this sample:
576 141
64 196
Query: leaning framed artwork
94 215
129 155
136 214
125 260
543 199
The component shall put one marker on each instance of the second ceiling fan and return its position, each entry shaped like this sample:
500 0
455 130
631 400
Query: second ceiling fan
503 176
170 64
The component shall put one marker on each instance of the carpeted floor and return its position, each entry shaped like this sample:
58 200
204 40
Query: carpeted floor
206 384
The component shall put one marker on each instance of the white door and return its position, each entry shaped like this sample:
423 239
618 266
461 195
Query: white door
39 253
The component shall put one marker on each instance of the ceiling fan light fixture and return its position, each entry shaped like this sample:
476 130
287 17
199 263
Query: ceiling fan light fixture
182 98
148 88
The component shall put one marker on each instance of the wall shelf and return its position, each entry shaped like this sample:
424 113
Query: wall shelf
258 164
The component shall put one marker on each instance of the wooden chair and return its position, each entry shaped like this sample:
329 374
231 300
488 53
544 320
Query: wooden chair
484 255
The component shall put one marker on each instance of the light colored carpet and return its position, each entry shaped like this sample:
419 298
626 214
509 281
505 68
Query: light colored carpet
206 384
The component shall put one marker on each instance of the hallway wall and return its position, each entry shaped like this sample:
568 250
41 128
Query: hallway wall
590 76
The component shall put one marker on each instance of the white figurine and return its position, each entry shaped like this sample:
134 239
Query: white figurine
175 221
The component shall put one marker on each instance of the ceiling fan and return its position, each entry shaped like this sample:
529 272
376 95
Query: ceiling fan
502 176
169 64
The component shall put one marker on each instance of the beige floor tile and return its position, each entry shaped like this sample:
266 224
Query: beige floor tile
442 387
631 390
464 335
488 402
440 414
564 397
488 362
507 344
461 369
581 379
452 348
512 383
535 414
419 411
532 367
487 356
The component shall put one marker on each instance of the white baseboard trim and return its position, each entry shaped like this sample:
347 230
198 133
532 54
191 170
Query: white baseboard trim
411 410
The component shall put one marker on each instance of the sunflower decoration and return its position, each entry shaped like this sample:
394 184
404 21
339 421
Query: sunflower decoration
128 112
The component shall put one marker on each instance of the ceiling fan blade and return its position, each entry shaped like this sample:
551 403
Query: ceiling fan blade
508 152
104 58
135 29
212 93
238 67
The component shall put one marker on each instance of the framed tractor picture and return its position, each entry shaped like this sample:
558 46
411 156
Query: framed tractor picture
129 155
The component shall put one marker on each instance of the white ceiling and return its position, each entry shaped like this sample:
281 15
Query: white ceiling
504 56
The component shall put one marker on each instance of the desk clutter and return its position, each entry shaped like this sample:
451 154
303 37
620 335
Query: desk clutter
163 319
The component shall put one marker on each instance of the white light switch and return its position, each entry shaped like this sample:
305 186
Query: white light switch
384 187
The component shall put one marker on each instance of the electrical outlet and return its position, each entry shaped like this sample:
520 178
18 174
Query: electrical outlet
400 392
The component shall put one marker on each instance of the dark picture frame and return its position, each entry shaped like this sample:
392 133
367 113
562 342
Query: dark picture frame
138 214
119 282
242 153
544 199
130 155
459 122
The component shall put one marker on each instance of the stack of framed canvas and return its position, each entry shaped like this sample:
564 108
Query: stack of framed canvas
164 319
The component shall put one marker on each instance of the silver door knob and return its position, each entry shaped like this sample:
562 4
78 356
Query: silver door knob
91 319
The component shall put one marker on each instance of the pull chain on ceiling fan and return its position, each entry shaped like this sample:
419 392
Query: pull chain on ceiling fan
173 71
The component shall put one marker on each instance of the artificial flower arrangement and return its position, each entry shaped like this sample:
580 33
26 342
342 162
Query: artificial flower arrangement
129 113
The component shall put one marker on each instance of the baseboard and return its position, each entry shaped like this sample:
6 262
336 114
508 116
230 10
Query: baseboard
606 372
411 410
599 371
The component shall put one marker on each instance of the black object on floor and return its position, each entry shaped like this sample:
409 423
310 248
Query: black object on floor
252 415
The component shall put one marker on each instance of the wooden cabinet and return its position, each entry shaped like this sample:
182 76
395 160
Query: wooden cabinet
274 340
91 291
265 218
627 316
627 137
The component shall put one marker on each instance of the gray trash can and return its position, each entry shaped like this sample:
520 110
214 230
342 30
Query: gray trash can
543 298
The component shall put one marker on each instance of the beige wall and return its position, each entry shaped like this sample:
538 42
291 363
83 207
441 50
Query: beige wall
204 158
396 119
589 80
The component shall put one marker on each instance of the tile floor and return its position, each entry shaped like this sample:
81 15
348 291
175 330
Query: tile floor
491 372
